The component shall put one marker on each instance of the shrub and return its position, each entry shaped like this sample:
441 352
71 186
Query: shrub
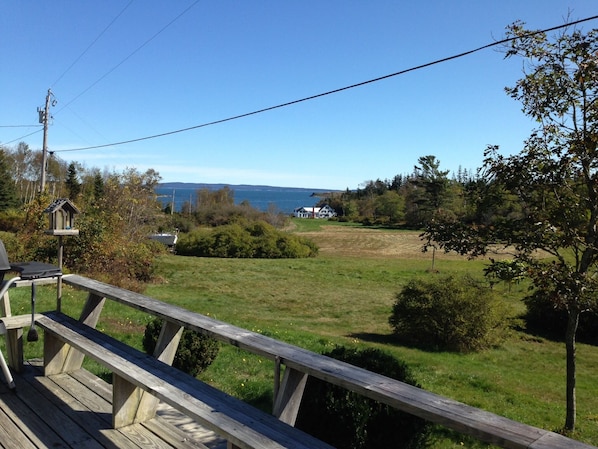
348 420
449 314
245 239
195 352
11 220
544 319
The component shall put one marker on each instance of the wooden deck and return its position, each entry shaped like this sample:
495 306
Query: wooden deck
74 411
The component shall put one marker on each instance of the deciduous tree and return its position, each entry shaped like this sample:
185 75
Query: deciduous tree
554 178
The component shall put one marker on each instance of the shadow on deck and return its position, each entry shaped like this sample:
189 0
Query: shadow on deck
74 411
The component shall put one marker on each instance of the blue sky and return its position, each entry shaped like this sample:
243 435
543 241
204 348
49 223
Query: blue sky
123 70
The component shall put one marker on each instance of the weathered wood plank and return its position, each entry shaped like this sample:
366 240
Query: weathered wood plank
165 351
125 402
138 435
171 434
55 354
75 405
32 417
12 326
15 322
28 422
11 436
163 429
54 407
240 423
89 315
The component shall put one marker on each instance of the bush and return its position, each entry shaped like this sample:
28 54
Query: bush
11 220
348 420
449 314
544 319
256 239
195 352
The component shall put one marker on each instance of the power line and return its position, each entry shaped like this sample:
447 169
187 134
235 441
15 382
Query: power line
330 92
18 126
92 44
112 69
22 137
130 55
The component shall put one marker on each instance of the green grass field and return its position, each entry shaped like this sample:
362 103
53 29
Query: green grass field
344 296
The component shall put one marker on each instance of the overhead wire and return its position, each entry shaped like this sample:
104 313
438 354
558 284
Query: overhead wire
130 55
22 137
92 43
18 126
113 68
330 92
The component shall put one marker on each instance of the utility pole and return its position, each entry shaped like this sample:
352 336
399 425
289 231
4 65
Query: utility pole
44 117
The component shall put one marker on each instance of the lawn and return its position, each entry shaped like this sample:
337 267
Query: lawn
344 296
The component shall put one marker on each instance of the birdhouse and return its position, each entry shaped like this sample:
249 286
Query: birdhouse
61 215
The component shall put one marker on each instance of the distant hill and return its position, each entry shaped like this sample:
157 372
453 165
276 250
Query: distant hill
236 188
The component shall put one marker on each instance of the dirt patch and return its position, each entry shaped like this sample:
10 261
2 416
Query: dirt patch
374 243
124 325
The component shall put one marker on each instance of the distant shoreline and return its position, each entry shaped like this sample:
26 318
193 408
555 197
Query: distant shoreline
239 187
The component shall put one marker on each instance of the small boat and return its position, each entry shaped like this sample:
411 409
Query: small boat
167 238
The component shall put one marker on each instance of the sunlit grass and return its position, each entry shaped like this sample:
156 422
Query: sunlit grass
320 302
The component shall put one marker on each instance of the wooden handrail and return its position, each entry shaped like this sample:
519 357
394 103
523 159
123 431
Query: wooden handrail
465 419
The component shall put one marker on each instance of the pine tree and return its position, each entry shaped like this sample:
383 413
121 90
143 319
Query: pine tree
8 196
72 182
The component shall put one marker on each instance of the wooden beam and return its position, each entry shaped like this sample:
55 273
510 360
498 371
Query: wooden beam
165 351
288 400
55 354
90 316
125 401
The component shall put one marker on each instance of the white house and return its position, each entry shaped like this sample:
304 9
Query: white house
314 212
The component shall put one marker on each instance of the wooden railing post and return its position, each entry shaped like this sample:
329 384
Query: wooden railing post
89 315
14 337
288 399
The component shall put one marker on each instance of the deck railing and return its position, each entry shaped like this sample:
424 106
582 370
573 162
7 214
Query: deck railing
300 363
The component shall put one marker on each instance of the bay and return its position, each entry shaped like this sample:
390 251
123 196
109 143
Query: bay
282 199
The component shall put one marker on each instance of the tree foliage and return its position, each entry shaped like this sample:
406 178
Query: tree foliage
120 212
348 420
8 197
553 181
73 185
409 200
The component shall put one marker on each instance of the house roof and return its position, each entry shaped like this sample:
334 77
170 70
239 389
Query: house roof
61 203
309 208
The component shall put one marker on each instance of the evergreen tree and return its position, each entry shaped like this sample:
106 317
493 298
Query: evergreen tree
72 182
98 187
8 196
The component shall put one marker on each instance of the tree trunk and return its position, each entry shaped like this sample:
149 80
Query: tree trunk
572 323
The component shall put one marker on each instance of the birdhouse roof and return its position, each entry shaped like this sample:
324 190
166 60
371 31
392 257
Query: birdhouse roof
61 203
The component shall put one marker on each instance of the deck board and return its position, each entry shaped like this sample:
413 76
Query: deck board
74 411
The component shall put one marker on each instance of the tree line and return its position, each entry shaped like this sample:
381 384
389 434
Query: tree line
410 200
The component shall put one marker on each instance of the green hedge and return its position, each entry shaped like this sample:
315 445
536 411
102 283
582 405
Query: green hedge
256 239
